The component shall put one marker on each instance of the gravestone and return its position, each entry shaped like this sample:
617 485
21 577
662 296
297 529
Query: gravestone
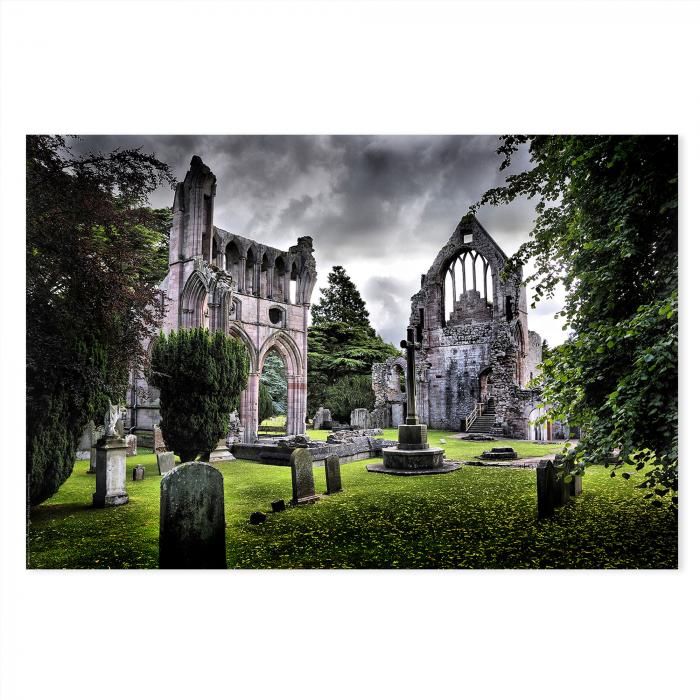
110 480
87 442
576 485
359 419
553 490
561 488
166 462
93 461
158 442
192 525
138 473
303 489
131 442
333 474
545 489
322 419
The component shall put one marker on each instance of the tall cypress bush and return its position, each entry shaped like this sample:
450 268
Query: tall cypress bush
200 376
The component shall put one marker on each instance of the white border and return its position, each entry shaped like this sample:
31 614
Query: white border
472 67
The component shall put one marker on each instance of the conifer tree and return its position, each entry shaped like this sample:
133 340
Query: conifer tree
340 301
200 376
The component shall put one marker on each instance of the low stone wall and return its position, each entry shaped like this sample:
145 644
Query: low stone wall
348 448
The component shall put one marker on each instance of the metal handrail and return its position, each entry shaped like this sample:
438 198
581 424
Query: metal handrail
473 415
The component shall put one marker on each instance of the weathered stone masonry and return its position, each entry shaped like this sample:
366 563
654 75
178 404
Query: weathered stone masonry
223 281
476 346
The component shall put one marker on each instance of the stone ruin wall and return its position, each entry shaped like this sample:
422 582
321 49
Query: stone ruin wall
223 281
480 337
390 402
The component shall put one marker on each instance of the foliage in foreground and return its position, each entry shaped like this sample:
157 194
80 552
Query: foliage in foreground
93 252
607 229
478 517
200 376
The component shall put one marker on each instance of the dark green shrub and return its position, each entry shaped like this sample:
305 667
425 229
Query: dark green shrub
350 392
200 376
266 406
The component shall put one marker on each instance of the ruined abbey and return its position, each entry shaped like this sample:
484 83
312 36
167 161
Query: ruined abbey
222 281
476 352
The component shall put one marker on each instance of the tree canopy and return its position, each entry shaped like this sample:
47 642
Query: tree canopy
200 376
337 350
606 228
340 302
94 250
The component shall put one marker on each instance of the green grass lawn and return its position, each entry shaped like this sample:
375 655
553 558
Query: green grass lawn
477 517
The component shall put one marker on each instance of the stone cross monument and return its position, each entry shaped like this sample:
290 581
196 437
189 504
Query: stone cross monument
413 455
410 346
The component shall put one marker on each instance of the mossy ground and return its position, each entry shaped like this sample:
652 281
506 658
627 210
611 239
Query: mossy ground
477 517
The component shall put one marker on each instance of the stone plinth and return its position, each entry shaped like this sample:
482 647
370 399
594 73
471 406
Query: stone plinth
110 482
413 456
221 453
413 437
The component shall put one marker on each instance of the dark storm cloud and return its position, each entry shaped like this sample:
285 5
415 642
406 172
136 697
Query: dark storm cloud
380 205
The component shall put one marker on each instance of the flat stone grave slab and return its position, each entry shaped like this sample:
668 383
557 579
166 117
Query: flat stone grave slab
500 453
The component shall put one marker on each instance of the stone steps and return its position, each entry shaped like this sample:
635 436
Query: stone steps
483 423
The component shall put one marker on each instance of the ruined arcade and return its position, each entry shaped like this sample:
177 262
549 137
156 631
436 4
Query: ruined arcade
222 281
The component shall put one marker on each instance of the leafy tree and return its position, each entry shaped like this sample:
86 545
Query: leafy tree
606 227
90 298
349 392
337 350
274 379
340 302
200 376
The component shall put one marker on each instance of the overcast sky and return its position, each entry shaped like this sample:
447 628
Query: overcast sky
381 206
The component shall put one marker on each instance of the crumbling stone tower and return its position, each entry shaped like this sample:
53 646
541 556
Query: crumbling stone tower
476 346
222 281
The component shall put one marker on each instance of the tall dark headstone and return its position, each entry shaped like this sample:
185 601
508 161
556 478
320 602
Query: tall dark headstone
192 525
545 489
333 484
303 488
561 488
